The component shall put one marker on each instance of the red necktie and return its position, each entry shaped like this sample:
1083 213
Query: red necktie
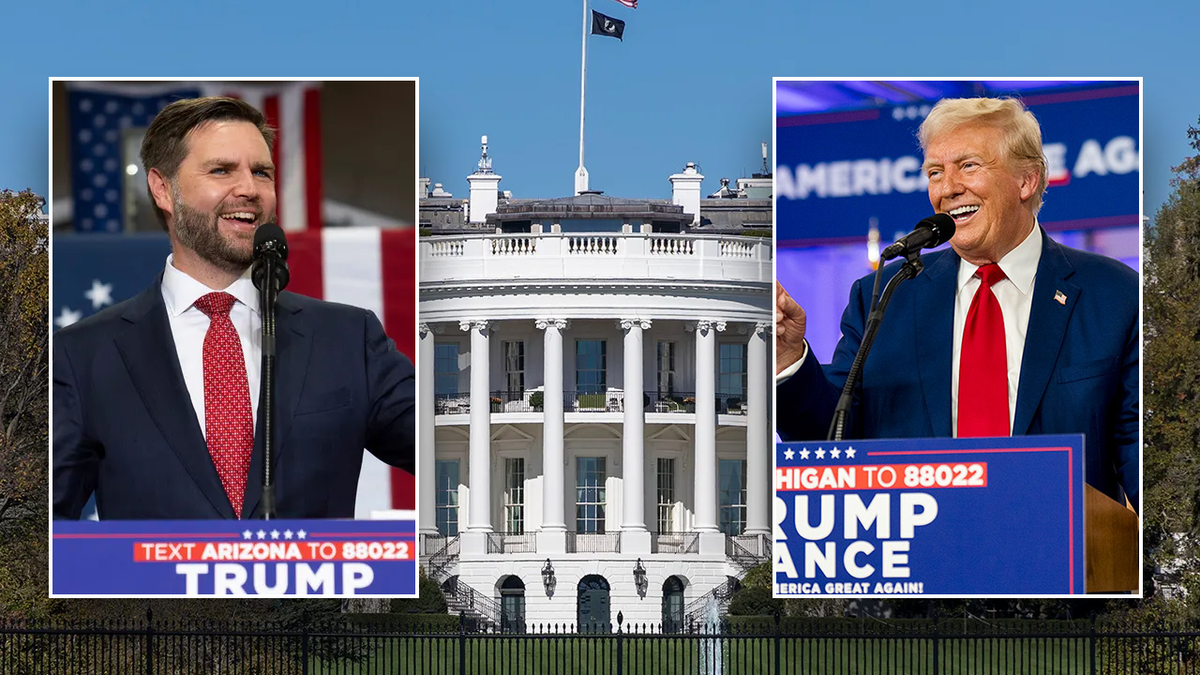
228 423
983 363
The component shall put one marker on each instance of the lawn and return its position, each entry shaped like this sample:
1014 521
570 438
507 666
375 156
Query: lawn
683 655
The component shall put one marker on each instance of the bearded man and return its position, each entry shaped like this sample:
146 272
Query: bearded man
156 399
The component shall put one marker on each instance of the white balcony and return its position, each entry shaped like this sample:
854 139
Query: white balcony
595 256
595 275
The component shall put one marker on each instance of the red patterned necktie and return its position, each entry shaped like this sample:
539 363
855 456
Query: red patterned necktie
228 422
983 363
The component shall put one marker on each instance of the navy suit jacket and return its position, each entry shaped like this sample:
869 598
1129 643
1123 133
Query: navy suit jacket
124 425
1079 370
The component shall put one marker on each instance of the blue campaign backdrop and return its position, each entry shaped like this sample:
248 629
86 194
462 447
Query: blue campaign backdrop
842 138
837 171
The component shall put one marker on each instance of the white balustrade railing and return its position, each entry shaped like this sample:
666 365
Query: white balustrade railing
592 245
514 245
736 249
596 256
441 248
672 246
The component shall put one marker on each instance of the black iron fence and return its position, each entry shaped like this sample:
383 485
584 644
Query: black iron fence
588 401
445 644
593 542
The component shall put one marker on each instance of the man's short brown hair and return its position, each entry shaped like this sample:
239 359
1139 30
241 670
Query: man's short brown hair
165 144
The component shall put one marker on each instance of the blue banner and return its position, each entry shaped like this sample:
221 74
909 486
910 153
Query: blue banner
273 558
837 171
978 516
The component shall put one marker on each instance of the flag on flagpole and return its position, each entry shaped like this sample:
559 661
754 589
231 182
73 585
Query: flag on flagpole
368 267
602 24
103 113
631 4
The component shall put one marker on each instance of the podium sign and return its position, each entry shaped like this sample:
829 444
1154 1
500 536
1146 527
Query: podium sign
956 517
275 558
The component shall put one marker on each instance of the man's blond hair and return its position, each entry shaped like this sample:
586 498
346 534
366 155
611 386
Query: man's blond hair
1022 136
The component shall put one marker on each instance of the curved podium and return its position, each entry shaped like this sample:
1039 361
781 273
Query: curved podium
1111 539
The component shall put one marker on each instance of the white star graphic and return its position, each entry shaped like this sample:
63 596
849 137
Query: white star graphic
789 454
850 453
820 453
100 294
301 534
287 534
835 453
262 535
68 317
247 534
804 453
274 534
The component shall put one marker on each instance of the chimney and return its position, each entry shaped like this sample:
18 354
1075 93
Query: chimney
485 192
685 191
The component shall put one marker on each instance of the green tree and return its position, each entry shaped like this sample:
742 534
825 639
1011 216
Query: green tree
24 336
1171 454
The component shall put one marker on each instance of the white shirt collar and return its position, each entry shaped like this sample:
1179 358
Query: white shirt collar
181 291
1020 265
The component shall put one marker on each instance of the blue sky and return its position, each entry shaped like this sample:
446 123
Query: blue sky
690 82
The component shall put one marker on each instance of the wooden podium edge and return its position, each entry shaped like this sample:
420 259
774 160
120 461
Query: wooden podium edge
1111 539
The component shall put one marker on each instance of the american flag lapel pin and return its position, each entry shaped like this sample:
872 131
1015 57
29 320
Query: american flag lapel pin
1060 297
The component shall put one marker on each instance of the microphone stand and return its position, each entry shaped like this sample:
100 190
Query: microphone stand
910 269
272 271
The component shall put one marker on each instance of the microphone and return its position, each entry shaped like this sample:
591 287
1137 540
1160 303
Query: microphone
930 232
270 275
270 252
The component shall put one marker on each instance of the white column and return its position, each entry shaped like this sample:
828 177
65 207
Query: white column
758 425
705 519
479 512
427 509
552 538
635 538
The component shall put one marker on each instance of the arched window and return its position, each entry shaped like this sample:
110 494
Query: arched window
592 604
672 605
512 605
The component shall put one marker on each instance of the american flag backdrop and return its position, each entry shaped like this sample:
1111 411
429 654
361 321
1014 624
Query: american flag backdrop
365 266
102 113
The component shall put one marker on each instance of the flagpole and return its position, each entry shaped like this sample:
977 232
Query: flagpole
581 175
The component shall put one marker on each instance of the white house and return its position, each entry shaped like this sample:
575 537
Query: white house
595 401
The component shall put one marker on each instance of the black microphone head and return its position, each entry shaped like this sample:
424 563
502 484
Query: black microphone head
942 226
270 251
269 238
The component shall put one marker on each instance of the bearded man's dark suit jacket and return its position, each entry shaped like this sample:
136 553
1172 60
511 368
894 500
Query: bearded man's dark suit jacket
124 425
1079 369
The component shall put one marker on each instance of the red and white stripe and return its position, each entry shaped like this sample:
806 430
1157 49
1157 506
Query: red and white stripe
294 110
631 4
375 269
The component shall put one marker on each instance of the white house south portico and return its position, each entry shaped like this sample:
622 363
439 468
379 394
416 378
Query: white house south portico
595 404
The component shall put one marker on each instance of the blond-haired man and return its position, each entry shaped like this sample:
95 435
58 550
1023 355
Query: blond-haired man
1060 353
